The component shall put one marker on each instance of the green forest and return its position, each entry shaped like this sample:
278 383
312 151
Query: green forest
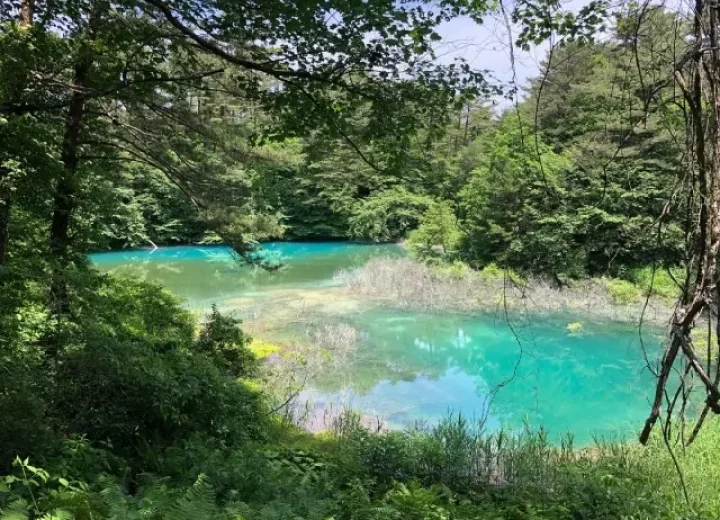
146 123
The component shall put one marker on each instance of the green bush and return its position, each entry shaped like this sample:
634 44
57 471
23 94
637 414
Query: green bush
438 236
131 393
622 291
492 271
128 370
388 215
658 282
222 339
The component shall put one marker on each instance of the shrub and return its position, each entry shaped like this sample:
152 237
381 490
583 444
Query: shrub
223 341
622 291
262 349
658 282
131 393
438 236
388 215
492 271
23 409
457 270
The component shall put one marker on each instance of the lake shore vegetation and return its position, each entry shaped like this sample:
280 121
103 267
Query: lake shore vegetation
409 284
146 122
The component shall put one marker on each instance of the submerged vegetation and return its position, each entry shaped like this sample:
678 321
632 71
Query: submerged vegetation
408 284
146 122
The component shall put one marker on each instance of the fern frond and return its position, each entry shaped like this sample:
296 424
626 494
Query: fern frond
58 514
15 510
197 503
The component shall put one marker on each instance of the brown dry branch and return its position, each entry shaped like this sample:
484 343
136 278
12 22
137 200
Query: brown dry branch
407 284
697 74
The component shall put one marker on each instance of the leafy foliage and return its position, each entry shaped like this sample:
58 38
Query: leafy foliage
389 215
438 236
222 340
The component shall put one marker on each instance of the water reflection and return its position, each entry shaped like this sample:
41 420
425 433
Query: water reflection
415 366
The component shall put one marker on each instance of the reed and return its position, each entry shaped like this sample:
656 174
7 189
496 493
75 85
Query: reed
406 284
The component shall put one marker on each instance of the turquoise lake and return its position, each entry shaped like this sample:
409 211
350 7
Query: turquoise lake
411 366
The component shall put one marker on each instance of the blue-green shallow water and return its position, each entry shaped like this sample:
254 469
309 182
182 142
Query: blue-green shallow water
414 366
203 275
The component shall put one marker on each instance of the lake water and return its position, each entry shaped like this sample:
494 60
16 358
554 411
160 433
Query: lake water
413 366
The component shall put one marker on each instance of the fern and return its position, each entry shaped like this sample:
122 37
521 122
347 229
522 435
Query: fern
15 510
116 503
197 503
58 514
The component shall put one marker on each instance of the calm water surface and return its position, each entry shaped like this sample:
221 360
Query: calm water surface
203 275
414 366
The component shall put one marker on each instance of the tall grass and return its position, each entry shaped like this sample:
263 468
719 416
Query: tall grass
605 480
407 284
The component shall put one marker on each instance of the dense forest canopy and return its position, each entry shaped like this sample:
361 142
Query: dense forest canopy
129 123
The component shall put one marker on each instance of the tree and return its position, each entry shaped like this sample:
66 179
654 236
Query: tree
142 83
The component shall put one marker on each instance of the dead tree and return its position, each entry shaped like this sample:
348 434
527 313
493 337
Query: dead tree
697 75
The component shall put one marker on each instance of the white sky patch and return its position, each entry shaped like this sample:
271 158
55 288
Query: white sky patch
486 47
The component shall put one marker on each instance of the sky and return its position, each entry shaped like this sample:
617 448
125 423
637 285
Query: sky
486 47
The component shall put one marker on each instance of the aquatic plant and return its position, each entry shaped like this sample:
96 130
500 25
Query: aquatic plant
575 327
408 284
262 349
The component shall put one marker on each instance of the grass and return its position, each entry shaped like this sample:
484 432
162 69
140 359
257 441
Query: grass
408 284
451 471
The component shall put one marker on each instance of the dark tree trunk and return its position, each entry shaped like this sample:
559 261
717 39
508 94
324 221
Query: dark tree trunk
64 201
702 298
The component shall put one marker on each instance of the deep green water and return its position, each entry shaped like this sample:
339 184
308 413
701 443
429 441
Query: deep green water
413 366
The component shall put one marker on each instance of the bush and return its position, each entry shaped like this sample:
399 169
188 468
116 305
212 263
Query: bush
658 282
388 215
438 236
128 370
223 341
131 394
23 409
622 291
494 272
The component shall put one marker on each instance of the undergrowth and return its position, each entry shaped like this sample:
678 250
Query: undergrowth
450 471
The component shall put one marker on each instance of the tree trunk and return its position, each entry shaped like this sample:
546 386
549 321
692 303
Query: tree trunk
701 300
5 205
64 201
